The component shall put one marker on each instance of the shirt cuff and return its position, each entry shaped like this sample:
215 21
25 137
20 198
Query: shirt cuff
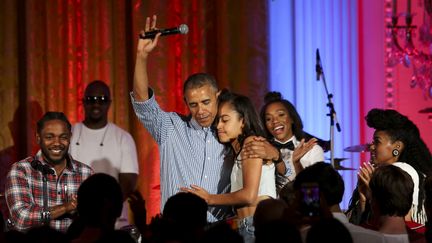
146 103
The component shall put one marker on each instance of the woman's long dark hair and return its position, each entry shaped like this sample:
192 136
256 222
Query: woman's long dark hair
297 126
244 107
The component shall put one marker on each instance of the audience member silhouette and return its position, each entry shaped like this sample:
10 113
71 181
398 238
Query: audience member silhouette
46 234
139 212
186 208
331 189
280 230
269 210
328 230
100 203
391 190
117 236
185 215
271 225
287 194
2 228
221 232
13 236
309 205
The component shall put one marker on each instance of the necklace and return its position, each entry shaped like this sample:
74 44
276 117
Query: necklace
103 137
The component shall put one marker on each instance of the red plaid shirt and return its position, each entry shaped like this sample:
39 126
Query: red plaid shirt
24 192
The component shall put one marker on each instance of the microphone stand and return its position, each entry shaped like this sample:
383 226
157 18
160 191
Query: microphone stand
330 105
37 165
45 215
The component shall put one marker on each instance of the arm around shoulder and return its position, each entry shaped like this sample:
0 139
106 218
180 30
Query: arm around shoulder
251 175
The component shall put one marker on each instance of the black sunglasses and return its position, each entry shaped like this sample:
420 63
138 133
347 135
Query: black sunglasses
91 100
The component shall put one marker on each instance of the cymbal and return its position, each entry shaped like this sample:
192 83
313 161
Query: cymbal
340 167
426 110
338 160
358 148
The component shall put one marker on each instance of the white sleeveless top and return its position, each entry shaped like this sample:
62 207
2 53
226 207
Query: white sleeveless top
267 185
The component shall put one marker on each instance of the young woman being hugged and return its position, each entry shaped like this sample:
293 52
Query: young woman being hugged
252 179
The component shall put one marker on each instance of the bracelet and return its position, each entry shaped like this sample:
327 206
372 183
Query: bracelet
46 216
279 159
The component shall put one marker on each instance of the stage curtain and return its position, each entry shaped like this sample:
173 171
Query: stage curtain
50 50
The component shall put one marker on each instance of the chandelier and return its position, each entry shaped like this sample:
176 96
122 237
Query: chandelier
407 53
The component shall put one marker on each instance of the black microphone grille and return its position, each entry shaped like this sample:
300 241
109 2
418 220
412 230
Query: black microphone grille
183 29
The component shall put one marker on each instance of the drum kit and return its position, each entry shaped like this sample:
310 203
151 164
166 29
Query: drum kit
353 149
427 111
358 148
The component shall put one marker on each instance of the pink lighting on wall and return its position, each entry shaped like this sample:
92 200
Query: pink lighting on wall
416 57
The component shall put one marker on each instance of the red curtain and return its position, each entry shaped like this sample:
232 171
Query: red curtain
50 50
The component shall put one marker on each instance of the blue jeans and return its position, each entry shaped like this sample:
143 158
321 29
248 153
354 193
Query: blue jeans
246 229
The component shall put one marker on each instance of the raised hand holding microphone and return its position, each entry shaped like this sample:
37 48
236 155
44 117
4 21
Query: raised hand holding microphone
146 45
147 42
181 29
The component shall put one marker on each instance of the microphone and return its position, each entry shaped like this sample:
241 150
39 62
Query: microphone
45 169
318 68
181 29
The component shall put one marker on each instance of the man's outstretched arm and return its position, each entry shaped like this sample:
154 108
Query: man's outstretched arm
145 46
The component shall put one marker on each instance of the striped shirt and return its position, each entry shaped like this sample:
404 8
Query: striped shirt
189 154
24 192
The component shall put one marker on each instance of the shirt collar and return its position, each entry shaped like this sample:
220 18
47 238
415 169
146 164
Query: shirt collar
341 217
69 165
293 139
197 126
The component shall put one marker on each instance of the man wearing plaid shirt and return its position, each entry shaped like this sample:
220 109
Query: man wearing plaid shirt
24 187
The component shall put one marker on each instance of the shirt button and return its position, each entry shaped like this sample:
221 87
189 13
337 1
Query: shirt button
59 192
208 141
205 177
208 158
